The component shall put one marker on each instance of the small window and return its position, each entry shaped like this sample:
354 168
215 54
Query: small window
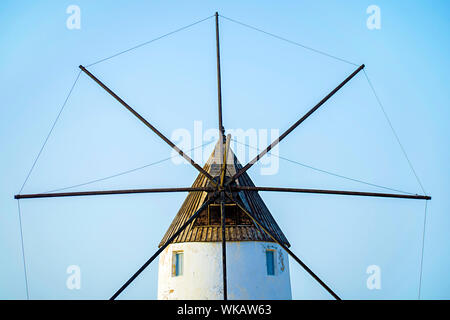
270 262
213 216
177 263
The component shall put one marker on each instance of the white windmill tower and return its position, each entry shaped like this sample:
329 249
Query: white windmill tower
256 266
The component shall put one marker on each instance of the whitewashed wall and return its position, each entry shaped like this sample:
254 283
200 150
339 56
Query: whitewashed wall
246 272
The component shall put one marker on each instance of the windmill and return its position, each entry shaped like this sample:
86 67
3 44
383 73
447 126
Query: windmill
223 205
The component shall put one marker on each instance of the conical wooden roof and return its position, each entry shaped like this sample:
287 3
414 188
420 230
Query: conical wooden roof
239 232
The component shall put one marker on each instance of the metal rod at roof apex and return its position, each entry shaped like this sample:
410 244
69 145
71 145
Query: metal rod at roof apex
137 115
225 159
219 81
295 125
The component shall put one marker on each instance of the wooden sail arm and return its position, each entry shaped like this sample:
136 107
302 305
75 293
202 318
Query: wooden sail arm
137 115
335 192
109 192
219 81
223 148
295 125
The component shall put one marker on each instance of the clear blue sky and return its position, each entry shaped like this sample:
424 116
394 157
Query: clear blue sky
266 84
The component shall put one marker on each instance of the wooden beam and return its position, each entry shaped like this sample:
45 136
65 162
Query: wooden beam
137 115
295 125
219 81
336 192
108 192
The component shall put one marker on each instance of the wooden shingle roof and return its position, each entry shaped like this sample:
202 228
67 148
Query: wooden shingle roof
251 200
